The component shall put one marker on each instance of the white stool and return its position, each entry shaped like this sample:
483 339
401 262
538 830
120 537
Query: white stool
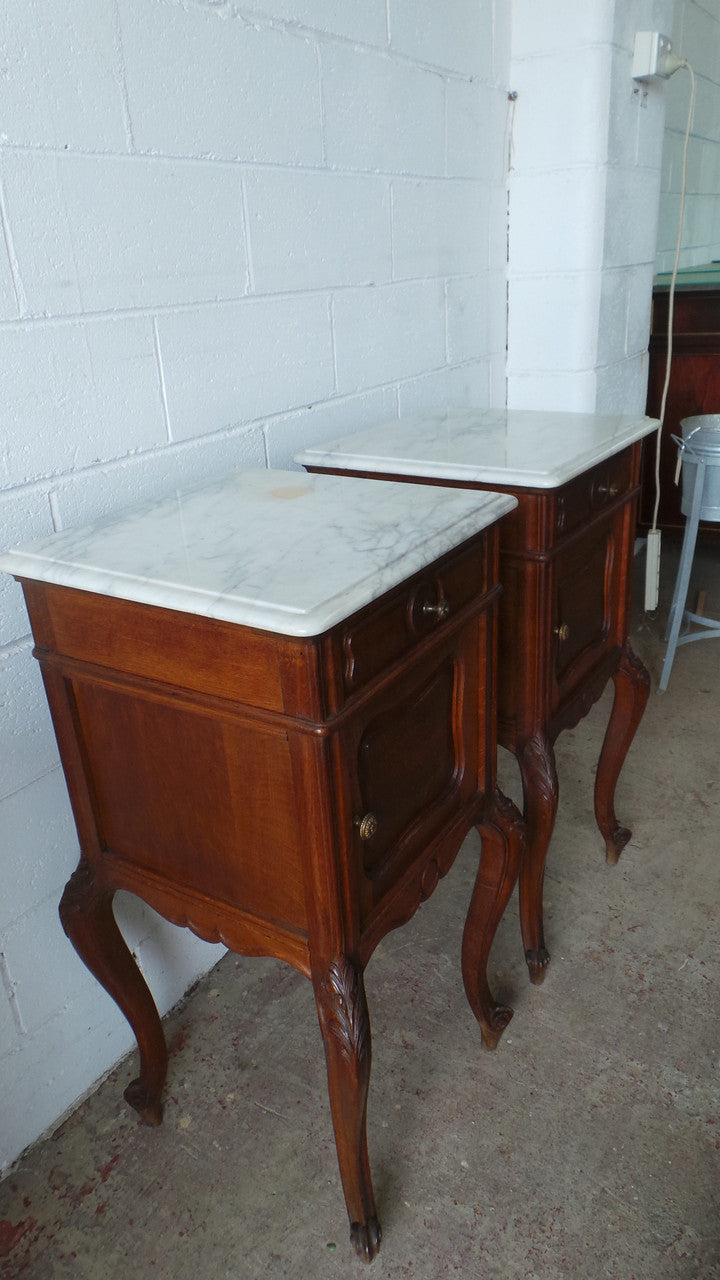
699 452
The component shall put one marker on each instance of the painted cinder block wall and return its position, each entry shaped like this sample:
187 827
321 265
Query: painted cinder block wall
229 230
695 35
234 229
583 198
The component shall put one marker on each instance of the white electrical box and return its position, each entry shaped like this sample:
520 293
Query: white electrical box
651 56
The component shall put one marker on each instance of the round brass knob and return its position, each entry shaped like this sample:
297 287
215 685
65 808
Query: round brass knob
608 490
562 632
441 610
367 826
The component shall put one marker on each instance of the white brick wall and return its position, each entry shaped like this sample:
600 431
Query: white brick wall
584 191
229 229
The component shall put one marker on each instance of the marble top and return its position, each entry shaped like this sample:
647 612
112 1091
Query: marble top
530 448
278 550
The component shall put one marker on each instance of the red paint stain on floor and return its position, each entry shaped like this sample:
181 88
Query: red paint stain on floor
11 1235
108 1168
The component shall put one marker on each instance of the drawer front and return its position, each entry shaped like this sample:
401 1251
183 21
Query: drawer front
593 492
391 628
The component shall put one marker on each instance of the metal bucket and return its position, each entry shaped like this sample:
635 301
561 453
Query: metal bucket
701 440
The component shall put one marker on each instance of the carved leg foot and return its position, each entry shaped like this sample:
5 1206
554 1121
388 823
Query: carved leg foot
345 1025
502 835
632 687
365 1238
87 917
540 791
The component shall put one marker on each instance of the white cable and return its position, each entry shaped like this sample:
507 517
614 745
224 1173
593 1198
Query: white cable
671 294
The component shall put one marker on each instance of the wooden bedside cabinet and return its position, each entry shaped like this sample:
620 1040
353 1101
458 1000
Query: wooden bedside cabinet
566 555
265 694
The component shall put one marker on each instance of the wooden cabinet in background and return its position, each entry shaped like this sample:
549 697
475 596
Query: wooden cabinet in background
566 561
694 381
566 567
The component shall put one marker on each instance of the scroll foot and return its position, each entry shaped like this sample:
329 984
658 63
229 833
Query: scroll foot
502 833
494 1024
615 844
140 1098
632 688
540 789
365 1238
87 917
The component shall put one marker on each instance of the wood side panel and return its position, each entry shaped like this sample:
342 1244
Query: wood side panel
198 801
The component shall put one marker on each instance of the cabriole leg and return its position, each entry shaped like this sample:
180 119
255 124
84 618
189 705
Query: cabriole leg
502 835
632 687
540 791
87 917
345 1025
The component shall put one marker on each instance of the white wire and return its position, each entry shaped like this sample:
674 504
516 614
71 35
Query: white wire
671 294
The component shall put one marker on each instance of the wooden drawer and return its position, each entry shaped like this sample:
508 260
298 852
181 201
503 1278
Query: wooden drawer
543 518
389 629
595 491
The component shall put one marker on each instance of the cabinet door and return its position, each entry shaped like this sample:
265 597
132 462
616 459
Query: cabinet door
419 760
585 606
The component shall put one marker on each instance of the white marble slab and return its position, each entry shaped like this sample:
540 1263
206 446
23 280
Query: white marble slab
531 449
278 550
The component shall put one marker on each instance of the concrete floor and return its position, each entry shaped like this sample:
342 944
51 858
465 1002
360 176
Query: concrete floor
586 1146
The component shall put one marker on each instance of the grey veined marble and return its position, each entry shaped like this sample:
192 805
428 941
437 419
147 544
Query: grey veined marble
535 449
278 550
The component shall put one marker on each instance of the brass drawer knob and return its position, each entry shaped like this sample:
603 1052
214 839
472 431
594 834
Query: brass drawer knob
562 632
608 490
367 826
441 610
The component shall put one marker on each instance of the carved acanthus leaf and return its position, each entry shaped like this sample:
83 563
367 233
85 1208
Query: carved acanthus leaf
538 764
346 1013
632 666
78 892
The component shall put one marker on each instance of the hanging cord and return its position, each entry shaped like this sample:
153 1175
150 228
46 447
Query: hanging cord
671 295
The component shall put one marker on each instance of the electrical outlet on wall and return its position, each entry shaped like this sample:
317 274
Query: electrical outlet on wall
653 57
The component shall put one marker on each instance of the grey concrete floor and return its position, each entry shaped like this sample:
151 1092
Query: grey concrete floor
587 1145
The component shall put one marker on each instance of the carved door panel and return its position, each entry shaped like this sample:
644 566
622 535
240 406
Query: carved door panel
407 762
416 757
584 594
